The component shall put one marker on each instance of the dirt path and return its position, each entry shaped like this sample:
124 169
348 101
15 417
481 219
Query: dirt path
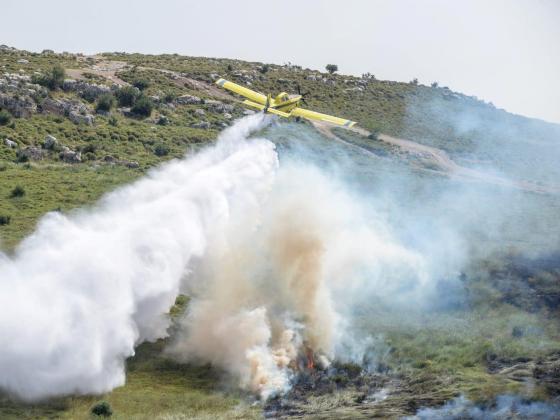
439 159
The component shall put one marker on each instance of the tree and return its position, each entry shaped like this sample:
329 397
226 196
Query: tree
414 81
141 84
143 106
435 84
126 96
53 79
105 102
331 68
5 117
264 68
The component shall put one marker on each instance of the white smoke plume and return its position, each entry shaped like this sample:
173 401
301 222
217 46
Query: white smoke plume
273 257
279 286
85 289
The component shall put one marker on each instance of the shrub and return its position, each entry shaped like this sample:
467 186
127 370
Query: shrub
143 106
105 102
53 79
331 68
414 81
113 121
102 409
126 96
21 158
5 220
18 191
169 97
264 68
161 150
5 117
435 84
141 84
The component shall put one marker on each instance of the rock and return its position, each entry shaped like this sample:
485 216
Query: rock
78 118
132 165
32 153
70 156
109 159
248 112
217 106
199 112
228 116
50 142
69 84
23 61
203 124
18 105
188 100
10 143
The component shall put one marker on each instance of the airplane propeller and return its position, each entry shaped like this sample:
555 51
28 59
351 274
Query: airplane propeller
303 95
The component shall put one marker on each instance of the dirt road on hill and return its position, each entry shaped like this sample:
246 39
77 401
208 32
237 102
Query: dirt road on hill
438 160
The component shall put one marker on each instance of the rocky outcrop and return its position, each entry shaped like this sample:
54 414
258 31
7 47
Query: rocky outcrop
32 153
70 156
188 100
10 143
90 91
205 125
19 106
219 107
76 111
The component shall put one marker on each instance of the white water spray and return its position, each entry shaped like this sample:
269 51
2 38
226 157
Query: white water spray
85 289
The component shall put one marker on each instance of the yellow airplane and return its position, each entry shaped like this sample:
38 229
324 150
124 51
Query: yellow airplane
284 105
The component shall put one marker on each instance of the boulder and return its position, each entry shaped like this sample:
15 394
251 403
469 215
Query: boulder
23 61
188 100
32 153
199 112
217 106
10 143
69 156
228 116
132 165
50 142
79 118
202 124
18 105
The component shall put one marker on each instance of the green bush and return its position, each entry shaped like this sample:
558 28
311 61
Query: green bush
53 79
161 150
5 117
105 102
264 68
126 96
113 121
141 84
331 68
18 191
5 220
143 106
102 409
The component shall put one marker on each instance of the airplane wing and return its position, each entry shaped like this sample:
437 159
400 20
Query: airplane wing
243 91
261 107
312 115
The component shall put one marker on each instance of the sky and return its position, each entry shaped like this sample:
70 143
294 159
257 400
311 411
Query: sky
503 51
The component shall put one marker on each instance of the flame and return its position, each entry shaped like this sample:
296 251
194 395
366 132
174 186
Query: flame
310 358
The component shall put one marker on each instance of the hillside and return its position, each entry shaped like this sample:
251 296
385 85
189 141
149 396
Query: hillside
188 111
470 192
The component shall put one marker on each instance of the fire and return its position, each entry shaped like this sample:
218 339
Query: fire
310 359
